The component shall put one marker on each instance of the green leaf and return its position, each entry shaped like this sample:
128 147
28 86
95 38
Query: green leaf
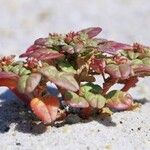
66 67
146 61
75 100
32 82
95 100
91 93
22 83
119 100
137 62
27 83
90 87
131 55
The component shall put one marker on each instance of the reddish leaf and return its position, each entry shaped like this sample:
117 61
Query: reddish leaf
43 54
98 65
91 32
38 44
62 79
113 71
119 100
125 70
119 71
41 41
8 79
27 83
8 75
46 109
52 104
33 48
142 70
112 47
100 40
40 110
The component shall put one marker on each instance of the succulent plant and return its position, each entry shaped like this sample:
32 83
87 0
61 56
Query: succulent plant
71 62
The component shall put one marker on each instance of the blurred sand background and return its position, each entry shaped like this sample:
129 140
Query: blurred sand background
23 21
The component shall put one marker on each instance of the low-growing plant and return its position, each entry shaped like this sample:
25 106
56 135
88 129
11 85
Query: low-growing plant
72 62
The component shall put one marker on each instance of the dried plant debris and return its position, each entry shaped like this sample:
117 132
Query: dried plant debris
71 62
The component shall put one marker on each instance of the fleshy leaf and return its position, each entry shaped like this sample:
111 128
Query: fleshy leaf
91 32
75 100
133 55
113 70
90 87
52 103
33 48
27 83
66 67
146 61
41 41
40 110
122 71
98 65
125 70
8 79
141 70
137 62
62 79
22 83
119 100
32 82
91 93
68 48
43 54
8 75
112 47
95 100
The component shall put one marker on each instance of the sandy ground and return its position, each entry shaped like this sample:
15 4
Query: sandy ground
25 20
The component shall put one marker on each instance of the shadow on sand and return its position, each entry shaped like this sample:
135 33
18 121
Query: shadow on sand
14 111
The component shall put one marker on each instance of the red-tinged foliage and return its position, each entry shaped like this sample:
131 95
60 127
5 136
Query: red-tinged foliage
91 32
71 62
122 71
33 48
120 59
42 54
62 79
142 70
40 110
52 103
70 36
98 65
112 47
120 101
8 79
46 109
41 41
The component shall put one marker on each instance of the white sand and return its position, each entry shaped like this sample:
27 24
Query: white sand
25 20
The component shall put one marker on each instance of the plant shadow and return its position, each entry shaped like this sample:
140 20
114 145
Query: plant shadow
15 111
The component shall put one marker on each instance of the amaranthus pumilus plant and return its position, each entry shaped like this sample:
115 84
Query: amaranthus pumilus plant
71 62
